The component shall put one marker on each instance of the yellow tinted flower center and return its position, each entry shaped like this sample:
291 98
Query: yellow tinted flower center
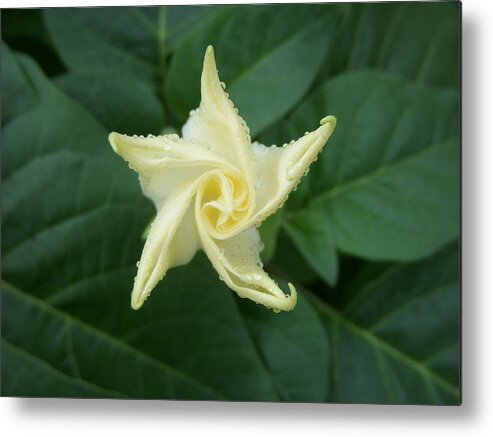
225 201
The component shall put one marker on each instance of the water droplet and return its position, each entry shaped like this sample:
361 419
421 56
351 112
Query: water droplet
223 85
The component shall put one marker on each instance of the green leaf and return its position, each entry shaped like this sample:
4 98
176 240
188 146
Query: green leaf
128 40
113 100
386 184
288 263
315 241
419 40
180 20
17 95
397 341
33 376
269 231
267 73
72 218
123 39
67 358
295 350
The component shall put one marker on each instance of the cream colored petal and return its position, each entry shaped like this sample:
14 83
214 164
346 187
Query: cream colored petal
238 263
280 169
172 241
217 122
164 162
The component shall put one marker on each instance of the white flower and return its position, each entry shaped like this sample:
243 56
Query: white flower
212 189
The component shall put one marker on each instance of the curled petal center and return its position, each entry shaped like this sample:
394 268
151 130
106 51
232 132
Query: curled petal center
225 201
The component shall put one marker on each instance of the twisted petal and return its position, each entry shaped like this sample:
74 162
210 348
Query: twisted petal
172 241
236 186
217 122
164 162
238 263
280 169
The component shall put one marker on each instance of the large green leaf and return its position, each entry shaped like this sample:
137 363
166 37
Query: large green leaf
72 218
130 40
397 340
59 355
292 349
17 95
419 40
267 73
315 241
123 39
121 102
386 185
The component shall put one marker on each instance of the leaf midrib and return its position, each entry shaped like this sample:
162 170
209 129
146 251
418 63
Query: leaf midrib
109 338
58 373
368 177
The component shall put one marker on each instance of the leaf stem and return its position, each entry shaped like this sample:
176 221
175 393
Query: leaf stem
161 46
161 41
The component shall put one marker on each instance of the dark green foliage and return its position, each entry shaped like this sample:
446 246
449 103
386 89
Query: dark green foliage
369 238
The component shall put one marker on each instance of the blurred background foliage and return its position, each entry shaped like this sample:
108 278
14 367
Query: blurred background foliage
370 238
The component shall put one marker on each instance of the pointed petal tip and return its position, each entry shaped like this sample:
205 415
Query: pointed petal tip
293 298
327 125
209 59
328 119
289 302
137 300
136 305
113 138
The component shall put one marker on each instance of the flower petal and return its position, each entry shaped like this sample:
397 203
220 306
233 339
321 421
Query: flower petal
280 169
237 261
172 241
217 122
164 162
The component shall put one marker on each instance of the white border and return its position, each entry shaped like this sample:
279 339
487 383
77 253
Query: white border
62 417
